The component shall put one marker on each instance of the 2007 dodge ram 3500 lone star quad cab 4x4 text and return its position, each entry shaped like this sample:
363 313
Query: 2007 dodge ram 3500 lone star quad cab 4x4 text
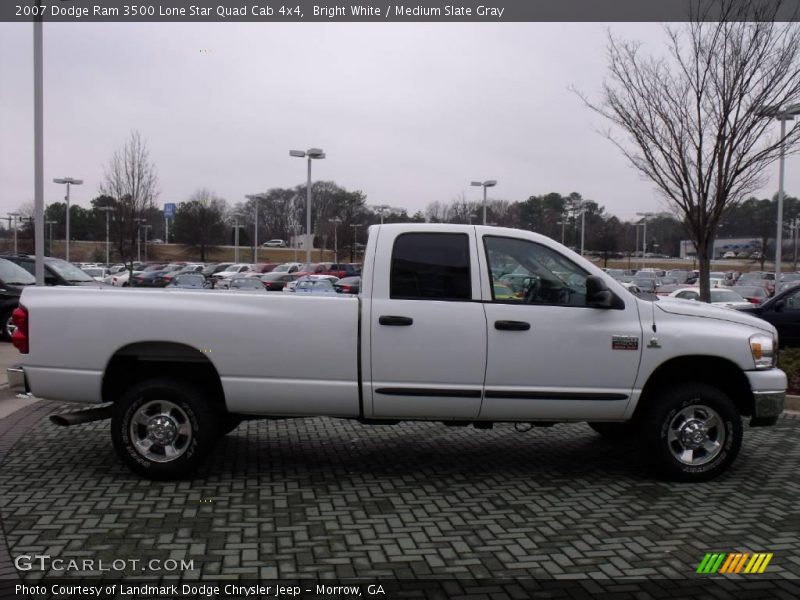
456 323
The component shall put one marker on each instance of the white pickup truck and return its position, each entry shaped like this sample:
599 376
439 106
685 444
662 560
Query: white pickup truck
455 323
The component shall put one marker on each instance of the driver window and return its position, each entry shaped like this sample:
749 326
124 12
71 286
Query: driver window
793 301
524 272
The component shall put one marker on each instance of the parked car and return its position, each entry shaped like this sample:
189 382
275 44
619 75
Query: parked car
13 279
246 283
783 312
215 268
56 270
193 281
96 273
274 244
221 279
311 285
262 268
350 285
724 298
275 282
754 294
290 267
342 270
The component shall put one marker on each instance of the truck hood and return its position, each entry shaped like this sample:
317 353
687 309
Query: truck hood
693 308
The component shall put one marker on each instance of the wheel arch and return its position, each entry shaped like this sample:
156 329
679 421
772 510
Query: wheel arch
712 370
140 361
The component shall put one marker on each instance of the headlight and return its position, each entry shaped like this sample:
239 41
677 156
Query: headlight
763 347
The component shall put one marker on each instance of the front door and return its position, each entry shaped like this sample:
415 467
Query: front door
550 357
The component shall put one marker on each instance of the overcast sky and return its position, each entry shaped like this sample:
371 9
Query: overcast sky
407 113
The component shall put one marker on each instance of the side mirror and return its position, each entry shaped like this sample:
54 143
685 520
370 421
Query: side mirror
599 296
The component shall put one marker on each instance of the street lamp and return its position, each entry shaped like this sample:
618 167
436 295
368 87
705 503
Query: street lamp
354 253
146 229
311 153
336 222
582 206
236 228
782 115
139 238
256 198
646 216
15 216
381 209
51 223
485 184
107 210
68 181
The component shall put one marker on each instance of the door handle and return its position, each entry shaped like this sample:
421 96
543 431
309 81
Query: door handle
512 325
396 321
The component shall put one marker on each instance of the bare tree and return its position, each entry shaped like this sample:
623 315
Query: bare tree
695 117
132 181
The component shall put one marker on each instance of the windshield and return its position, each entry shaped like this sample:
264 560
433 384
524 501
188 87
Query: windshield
12 274
68 271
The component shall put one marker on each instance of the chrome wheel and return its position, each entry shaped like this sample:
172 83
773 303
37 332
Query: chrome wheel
160 431
696 435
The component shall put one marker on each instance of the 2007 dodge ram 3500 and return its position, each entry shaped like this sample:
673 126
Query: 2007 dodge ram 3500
456 323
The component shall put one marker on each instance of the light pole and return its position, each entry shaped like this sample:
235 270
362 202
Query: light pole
583 222
336 222
68 181
146 228
485 184
382 208
256 198
355 241
139 238
311 153
51 223
782 115
563 223
107 210
646 216
15 216
236 228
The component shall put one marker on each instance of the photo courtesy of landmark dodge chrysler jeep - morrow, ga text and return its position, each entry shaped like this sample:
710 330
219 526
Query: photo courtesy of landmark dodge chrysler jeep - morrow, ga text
455 323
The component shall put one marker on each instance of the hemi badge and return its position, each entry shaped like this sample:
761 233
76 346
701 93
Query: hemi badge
624 342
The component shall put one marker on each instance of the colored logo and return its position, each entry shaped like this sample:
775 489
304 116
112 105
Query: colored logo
727 563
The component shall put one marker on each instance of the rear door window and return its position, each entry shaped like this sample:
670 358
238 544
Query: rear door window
431 266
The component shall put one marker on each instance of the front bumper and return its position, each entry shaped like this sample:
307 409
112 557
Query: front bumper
16 380
769 395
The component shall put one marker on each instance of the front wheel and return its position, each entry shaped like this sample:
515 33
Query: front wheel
691 431
163 428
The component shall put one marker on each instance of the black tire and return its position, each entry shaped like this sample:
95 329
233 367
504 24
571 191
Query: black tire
617 432
5 321
186 416
688 409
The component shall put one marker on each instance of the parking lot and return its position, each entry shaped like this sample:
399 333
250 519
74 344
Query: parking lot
324 499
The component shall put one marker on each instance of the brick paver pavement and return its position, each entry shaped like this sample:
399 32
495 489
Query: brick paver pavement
330 499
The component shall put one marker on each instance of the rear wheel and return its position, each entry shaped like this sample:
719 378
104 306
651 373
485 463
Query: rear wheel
163 428
691 431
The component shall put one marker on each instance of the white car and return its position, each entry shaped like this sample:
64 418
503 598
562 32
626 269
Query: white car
311 284
96 273
120 279
223 278
274 244
290 267
726 298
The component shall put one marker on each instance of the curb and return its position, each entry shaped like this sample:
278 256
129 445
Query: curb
792 403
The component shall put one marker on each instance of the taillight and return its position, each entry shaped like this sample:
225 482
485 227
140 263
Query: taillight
20 336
